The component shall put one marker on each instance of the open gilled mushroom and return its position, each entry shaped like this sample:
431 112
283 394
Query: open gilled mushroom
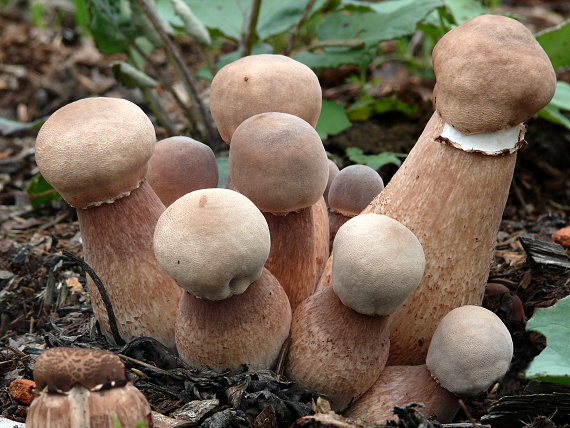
83 387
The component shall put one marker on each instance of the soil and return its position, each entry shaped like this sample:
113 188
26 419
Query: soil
43 296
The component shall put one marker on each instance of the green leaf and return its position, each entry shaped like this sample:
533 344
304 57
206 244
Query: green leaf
560 101
389 20
366 107
278 16
375 161
132 77
8 126
223 170
332 119
40 192
258 48
556 43
333 58
464 10
553 363
110 25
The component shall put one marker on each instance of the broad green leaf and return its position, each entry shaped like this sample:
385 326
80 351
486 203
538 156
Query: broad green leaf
40 192
560 101
390 20
332 119
8 126
110 25
556 43
375 161
333 58
277 16
132 77
464 10
366 107
553 363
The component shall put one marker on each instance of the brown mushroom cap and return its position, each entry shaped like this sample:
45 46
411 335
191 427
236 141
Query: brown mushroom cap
470 349
180 165
63 368
263 83
491 75
212 242
95 150
378 262
353 189
278 161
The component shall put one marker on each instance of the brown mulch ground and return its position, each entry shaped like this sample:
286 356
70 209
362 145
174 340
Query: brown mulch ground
43 300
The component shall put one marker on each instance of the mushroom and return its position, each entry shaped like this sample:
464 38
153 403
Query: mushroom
83 387
339 337
350 192
180 165
333 171
470 350
214 243
94 152
452 188
263 83
278 161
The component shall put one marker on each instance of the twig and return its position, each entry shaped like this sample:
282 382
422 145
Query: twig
187 78
293 38
158 109
464 407
104 296
248 43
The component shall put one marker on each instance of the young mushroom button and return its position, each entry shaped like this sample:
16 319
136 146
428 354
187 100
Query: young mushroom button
470 350
263 83
85 388
278 161
214 243
95 153
339 339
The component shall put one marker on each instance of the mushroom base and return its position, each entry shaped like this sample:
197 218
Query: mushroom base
117 244
84 408
249 328
334 350
401 385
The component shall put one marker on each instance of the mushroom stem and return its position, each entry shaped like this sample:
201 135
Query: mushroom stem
453 202
292 258
225 334
402 385
342 369
115 249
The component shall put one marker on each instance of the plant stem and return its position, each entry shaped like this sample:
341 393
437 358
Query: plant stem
293 38
188 79
158 109
248 43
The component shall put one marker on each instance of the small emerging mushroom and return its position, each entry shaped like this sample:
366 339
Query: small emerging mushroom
470 350
339 339
353 188
263 83
214 243
83 387
95 153
180 165
278 161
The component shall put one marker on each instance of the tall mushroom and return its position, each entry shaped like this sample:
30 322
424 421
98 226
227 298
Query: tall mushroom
180 165
94 152
470 350
83 387
263 83
278 161
452 188
214 243
339 338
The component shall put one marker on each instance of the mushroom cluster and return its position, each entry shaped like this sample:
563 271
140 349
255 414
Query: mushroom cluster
226 276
